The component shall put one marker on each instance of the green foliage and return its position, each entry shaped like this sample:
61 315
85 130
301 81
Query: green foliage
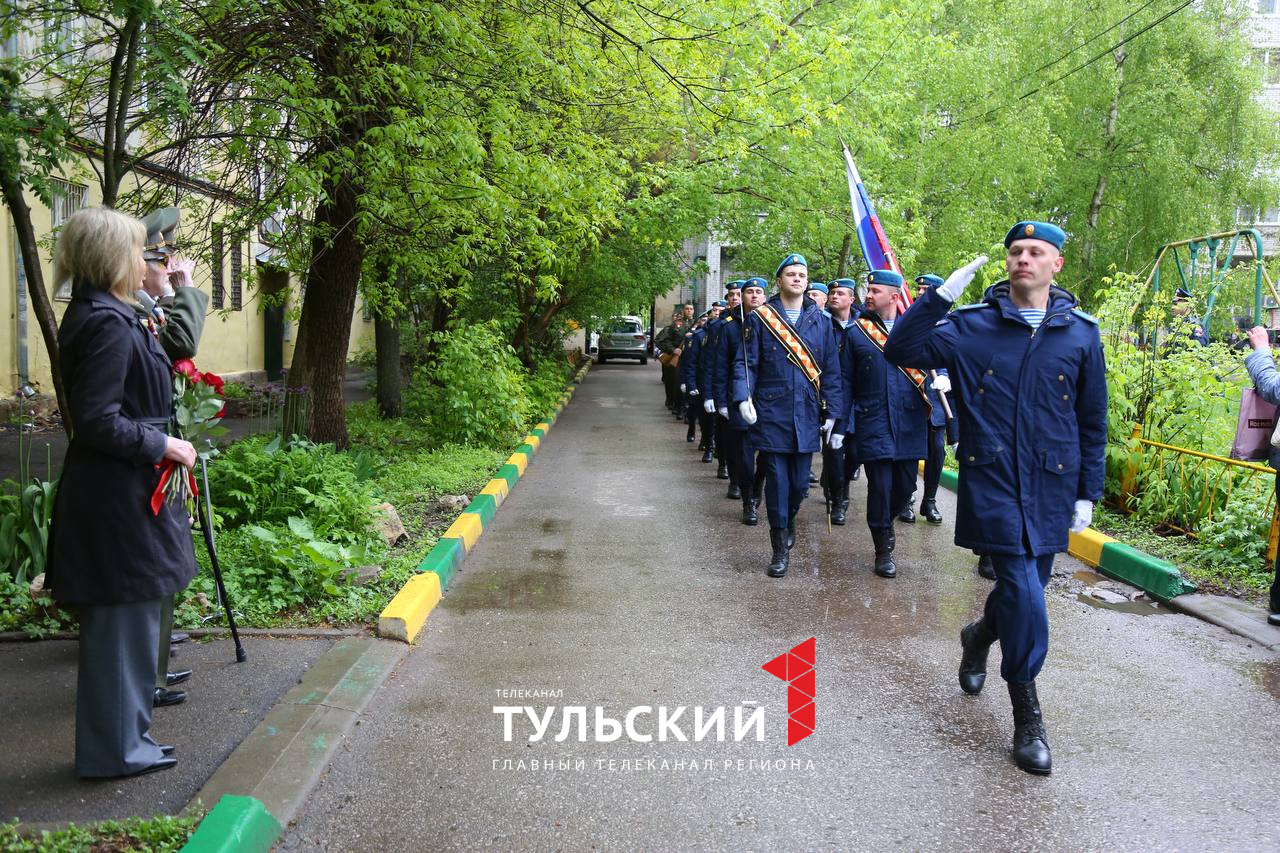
24 529
160 834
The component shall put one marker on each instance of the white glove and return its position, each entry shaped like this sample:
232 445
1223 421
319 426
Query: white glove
708 406
959 280
723 412
683 388
693 393
747 411
836 441
942 384
1082 517
828 425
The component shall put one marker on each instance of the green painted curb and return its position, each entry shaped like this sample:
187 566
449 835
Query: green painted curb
950 479
443 559
526 449
508 472
235 825
483 506
539 432
1158 577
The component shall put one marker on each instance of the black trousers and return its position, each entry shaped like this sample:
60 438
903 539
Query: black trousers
671 384
933 462
890 483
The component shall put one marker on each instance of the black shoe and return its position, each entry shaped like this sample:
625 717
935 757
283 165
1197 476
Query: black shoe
975 641
750 516
734 492
929 509
813 478
166 749
781 553
165 697
178 637
156 766
857 472
838 512
906 515
884 542
986 568
708 455
1273 618
1030 742
173 678
722 472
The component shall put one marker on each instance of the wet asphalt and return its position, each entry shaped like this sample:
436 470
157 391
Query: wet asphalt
618 574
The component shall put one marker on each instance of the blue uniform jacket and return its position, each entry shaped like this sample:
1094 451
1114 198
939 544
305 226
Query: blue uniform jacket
689 359
707 356
887 416
786 402
728 350
1033 426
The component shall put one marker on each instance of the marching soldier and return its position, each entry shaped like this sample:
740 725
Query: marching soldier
789 366
742 456
837 464
712 353
669 341
887 417
942 430
1028 365
689 372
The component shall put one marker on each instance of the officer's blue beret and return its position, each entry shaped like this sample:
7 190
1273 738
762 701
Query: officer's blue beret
1182 293
929 280
790 260
885 277
755 281
817 285
1046 231
719 303
843 282
733 285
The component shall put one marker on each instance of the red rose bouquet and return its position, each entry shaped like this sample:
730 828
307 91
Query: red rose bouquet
198 410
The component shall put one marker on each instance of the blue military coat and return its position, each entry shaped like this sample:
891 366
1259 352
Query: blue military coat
787 404
1033 426
707 356
689 359
728 350
888 418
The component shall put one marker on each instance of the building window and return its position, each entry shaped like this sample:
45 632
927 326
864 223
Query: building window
237 275
1269 62
67 199
1267 7
215 266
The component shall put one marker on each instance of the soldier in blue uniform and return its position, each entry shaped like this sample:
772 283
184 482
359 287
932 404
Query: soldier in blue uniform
791 372
742 456
942 430
690 369
711 351
888 415
819 293
838 463
1028 366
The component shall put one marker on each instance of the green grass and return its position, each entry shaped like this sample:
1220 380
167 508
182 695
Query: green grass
159 834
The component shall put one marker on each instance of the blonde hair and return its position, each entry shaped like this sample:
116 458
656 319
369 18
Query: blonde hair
100 248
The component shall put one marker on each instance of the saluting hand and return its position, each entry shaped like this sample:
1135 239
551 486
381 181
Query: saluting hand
1259 339
959 280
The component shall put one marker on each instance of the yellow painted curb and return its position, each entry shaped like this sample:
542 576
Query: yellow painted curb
497 488
544 426
1087 545
466 527
405 615
520 460
532 440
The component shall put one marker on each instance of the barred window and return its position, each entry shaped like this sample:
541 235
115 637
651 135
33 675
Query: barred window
67 199
215 266
237 275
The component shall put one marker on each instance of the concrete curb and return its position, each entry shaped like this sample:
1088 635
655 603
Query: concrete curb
407 612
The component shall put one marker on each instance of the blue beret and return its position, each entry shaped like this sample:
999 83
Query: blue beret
719 303
1046 231
755 281
888 278
733 285
929 280
790 260
817 285
1182 293
843 282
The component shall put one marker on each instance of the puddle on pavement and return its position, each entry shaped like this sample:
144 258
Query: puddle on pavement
1141 608
552 525
1087 577
541 587
1267 675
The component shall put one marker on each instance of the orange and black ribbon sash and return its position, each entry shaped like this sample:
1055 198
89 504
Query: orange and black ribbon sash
877 336
797 352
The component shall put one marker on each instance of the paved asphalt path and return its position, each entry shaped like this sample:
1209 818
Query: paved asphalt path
618 574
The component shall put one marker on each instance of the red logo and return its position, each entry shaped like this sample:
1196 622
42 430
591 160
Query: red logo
796 667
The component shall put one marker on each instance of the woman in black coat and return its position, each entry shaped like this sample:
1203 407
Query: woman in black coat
109 554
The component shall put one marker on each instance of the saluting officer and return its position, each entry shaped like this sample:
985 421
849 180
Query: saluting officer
838 463
742 456
715 404
1028 365
792 372
888 415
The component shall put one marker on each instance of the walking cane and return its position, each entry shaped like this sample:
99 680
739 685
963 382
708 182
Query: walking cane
205 508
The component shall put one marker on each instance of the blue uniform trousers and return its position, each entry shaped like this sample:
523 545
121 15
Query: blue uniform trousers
890 483
1015 609
721 433
933 462
786 483
741 457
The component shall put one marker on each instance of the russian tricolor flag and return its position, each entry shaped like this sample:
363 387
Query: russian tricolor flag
871 236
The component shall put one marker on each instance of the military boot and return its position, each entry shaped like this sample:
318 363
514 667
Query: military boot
929 506
986 568
841 505
734 492
781 553
1030 742
750 516
722 472
884 542
906 515
708 455
791 532
975 641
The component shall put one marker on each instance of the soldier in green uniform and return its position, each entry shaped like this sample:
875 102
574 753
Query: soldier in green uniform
670 342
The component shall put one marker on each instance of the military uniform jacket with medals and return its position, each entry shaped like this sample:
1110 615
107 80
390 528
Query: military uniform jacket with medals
787 405
1033 424
184 322
106 546
888 416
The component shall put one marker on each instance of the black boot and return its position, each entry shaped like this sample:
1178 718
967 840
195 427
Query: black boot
975 641
691 435
722 473
884 541
791 532
857 472
750 516
929 509
781 554
986 568
906 515
841 508
1030 743
734 492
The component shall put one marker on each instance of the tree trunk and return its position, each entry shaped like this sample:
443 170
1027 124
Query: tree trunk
42 308
842 270
1108 146
386 336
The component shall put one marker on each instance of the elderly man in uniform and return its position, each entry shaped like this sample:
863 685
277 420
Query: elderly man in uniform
1028 365
668 342
887 416
742 456
174 310
790 369
708 365
838 464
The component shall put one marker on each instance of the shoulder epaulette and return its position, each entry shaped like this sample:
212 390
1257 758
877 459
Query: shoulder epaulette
973 306
1088 318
